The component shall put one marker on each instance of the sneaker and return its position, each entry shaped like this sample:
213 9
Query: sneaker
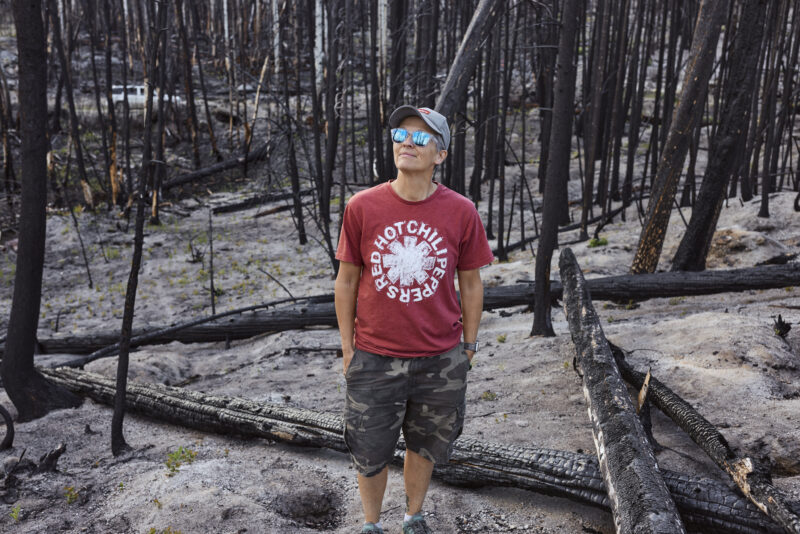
371 528
416 525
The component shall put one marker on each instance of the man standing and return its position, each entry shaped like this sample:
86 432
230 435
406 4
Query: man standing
401 246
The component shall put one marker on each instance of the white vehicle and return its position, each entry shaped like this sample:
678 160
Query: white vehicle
137 96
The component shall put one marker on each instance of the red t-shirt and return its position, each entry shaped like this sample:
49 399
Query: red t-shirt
410 251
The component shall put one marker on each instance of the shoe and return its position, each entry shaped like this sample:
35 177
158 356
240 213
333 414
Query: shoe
416 525
371 528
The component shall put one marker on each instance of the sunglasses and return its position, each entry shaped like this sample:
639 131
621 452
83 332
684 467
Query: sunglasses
419 138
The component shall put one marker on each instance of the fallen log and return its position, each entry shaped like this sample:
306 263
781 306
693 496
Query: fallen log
256 201
166 333
243 326
704 504
217 168
752 479
321 312
640 500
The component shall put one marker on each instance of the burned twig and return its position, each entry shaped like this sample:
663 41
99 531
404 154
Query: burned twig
276 281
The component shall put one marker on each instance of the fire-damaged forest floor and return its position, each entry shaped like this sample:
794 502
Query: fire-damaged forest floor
719 352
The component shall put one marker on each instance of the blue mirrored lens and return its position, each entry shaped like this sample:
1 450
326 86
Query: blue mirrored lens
419 138
399 135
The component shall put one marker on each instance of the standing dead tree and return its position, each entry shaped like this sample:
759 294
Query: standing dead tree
689 112
728 142
555 191
640 500
454 91
155 40
31 393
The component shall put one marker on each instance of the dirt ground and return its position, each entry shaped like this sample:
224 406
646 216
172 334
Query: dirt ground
719 352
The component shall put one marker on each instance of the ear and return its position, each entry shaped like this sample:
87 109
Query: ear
440 157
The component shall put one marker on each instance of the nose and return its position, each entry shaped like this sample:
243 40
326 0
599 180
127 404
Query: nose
408 140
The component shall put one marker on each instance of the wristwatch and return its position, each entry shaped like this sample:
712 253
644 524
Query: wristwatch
471 346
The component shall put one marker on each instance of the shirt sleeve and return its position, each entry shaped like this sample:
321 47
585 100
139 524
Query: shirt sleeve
475 251
349 248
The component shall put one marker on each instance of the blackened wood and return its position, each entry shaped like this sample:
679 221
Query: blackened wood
690 109
593 128
257 201
729 140
188 84
196 32
74 126
318 311
705 504
455 86
640 500
8 439
118 443
217 168
32 395
560 148
751 478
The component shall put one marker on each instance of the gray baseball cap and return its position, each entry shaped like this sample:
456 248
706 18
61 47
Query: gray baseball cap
433 119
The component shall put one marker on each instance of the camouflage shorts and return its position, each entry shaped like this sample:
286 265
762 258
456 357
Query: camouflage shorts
424 396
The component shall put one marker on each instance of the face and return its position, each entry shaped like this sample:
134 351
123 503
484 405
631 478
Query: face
409 157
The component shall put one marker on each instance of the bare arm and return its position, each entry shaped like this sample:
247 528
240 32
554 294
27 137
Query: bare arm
345 296
471 288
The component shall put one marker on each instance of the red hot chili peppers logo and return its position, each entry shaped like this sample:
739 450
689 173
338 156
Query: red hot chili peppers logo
408 262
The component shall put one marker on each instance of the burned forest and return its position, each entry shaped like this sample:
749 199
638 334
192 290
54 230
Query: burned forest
174 180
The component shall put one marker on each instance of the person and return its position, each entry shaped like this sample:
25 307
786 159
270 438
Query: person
401 246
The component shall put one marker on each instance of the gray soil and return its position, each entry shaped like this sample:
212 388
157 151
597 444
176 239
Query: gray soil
719 352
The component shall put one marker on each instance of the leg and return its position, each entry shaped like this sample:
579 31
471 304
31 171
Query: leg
417 474
372 490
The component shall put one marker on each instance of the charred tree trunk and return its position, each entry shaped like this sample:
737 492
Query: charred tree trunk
186 60
727 144
31 393
74 127
640 500
454 91
118 443
593 129
690 109
555 192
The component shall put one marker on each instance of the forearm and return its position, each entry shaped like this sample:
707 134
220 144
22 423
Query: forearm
471 288
345 302
345 297
471 310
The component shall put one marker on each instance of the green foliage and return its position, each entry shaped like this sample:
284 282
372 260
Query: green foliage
501 338
674 301
168 530
71 494
179 457
595 242
15 513
489 396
